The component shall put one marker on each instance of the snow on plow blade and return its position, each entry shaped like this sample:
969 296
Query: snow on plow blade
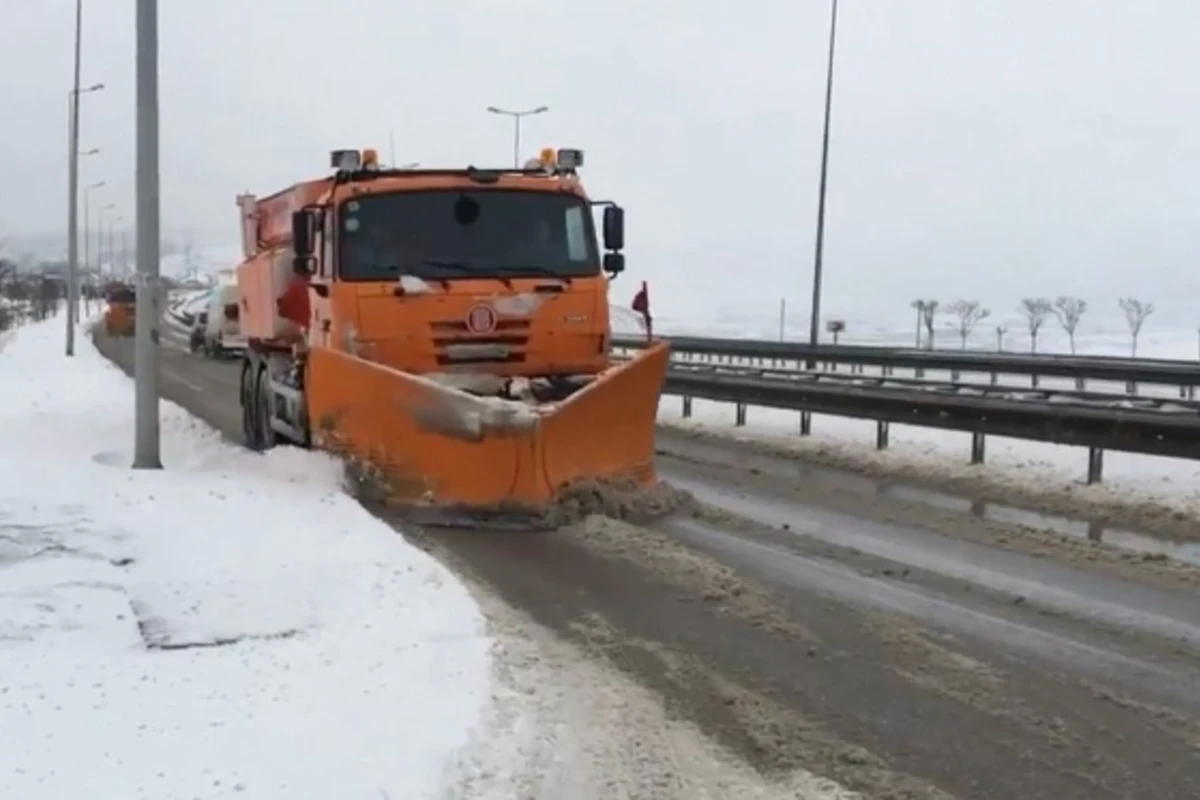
439 449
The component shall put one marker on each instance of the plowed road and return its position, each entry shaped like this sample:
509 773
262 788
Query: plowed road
807 621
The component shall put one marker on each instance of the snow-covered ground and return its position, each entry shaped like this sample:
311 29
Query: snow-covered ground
234 625
1026 470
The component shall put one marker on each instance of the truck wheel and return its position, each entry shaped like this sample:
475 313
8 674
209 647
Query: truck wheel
249 399
267 436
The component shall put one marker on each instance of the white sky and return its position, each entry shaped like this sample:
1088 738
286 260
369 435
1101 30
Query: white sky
981 148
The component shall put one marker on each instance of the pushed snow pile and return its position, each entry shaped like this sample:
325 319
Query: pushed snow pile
231 626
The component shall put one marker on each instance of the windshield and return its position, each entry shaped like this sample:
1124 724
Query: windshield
448 234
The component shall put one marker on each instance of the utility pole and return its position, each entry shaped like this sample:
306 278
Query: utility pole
87 231
100 234
516 118
146 447
73 181
814 331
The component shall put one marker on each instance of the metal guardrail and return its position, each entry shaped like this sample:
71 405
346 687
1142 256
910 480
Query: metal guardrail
1136 430
1100 368
1059 397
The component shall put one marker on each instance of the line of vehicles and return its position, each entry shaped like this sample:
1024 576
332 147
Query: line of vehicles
215 329
446 330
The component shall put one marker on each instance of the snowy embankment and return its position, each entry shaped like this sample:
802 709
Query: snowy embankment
232 624
1141 491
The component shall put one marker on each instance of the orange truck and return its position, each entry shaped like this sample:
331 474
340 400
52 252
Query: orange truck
453 333
121 300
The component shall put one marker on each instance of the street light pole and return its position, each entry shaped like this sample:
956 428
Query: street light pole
516 117
73 180
87 237
146 449
112 254
814 330
100 234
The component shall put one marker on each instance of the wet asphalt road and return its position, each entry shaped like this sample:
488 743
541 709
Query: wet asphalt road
805 622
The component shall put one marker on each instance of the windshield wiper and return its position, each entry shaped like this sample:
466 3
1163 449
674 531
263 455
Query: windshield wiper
535 270
405 269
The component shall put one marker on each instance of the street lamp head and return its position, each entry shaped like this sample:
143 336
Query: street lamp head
109 206
494 110
95 87
94 151
540 110
96 185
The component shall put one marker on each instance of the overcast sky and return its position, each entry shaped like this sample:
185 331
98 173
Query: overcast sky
981 148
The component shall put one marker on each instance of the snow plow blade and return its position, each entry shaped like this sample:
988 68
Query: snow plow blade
452 457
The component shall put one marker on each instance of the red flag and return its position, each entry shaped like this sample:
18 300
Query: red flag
641 304
294 305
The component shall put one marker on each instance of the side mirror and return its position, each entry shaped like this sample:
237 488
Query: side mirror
614 263
302 238
614 228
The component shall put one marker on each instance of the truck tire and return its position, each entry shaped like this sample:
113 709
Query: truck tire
249 398
268 438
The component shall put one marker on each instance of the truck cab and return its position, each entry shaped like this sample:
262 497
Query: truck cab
430 271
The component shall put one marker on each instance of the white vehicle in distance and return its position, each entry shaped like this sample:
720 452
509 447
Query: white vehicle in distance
222 334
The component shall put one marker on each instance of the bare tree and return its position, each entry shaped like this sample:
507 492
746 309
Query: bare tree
1136 312
928 314
919 307
1035 310
1069 310
1000 331
969 313
189 256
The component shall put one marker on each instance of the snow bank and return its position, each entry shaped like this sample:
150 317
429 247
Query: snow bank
1138 490
232 624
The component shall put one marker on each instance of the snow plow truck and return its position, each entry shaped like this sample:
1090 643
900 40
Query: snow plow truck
448 331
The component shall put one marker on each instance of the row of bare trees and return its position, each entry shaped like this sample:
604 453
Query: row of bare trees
39 295
1037 311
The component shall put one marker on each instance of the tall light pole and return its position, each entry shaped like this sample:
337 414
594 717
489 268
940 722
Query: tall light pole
146 450
516 118
73 180
87 232
814 331
100 234
112 253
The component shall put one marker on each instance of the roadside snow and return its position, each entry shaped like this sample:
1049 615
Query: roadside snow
1026 469
233 625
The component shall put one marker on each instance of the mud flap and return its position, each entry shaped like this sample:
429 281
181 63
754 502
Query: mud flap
437 447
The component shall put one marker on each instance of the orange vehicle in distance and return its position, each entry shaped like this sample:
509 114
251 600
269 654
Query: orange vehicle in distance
457 337
120 299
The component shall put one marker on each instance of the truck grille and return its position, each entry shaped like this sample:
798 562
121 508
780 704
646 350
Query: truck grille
454 345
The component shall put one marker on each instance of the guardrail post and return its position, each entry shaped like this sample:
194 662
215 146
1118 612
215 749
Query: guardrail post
995 378
886 370
687 407
739 414
1033 381
954 376
1131 388
1095 465
881 434
1080 384
805 423
977 448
